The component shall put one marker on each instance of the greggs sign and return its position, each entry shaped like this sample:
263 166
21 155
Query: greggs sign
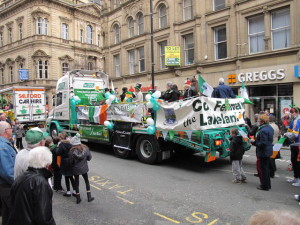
263 75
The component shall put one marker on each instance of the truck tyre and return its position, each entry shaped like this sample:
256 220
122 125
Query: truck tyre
121 153
147 149
53 131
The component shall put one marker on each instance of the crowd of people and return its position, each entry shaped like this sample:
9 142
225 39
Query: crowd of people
25 175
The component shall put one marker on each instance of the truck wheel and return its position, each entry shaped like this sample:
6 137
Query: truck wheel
147 148
121 153
53 131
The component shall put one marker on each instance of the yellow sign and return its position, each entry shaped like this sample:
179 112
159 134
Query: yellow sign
172 55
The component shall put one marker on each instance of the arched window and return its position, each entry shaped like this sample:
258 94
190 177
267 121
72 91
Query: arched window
130 27
90 66
162 14
116 33
89 34
140 23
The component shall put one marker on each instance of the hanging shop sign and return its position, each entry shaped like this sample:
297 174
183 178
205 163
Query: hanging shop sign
200 113
262 75
172 55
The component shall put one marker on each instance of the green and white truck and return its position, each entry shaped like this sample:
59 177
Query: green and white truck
198 125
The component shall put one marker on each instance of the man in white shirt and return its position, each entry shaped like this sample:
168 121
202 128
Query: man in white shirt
138 94
34 137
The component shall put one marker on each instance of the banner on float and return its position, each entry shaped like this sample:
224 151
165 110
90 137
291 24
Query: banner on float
200 113
131 112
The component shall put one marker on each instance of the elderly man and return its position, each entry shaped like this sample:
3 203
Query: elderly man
170 95
34 138
31 192
223 91
7 161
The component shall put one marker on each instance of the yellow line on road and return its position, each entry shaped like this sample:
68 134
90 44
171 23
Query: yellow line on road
96 187
213 222
167 218
125 200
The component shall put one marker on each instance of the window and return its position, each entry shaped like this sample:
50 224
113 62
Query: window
131 60
116 3
98 40
256 34
162 14
42 26
90 66
46 69
219 4
189 49
81 35
220 42
117 65
11 74
187 9
130 27
40 69
10 35
140 23
116 31
65 68
141 53
2 76
89 34
281 28
1 39
21 66
20 31
162 54
65 31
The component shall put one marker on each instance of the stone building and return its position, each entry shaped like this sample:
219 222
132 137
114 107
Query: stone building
48 38
255 41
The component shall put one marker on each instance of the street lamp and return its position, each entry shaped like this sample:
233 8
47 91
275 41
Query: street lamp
152 44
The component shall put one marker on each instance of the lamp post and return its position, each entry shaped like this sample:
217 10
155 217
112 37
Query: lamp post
152 44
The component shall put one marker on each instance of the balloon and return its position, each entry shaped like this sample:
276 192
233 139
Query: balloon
108 101
107 94
106 123
110 126
156 107
149 105
156 94
151 129
76 98
111 97
150 121
148 97
153 100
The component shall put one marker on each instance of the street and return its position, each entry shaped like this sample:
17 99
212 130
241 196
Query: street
183 190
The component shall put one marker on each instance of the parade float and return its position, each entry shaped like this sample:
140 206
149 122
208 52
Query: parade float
198 125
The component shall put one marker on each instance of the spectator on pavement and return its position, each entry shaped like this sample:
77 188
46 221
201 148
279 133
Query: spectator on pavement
4 117
64 147
52 145
20 133
80 154
31 192
223 91
264 149
294 136
34 137
236 155
275 127
274 217
7 161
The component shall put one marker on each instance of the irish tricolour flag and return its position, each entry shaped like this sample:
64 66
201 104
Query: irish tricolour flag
204 87
277 147
244 93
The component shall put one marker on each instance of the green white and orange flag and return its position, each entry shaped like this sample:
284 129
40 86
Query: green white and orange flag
277 147
244 93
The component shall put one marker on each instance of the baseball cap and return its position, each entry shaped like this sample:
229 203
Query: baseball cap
35 135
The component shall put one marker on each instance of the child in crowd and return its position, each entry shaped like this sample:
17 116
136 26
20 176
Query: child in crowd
236 155
80 154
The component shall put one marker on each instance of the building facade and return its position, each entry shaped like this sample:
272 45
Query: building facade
255 42
48 38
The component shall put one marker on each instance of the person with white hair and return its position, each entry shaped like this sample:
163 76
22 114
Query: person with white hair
7 161
31 192
223 91
170 95
34 137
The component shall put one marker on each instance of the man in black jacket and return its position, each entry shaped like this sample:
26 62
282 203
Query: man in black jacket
31 192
